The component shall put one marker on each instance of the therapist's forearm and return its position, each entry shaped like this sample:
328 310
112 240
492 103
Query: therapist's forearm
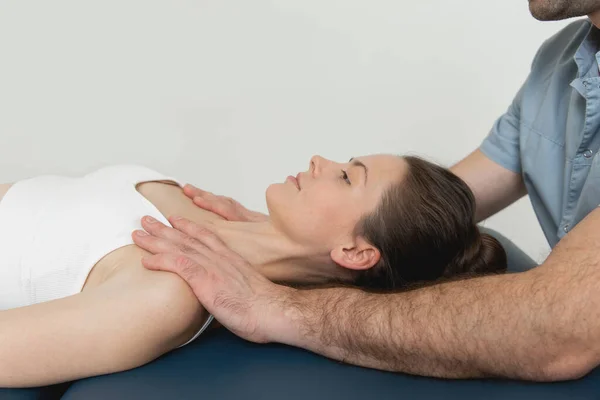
523 326
456 330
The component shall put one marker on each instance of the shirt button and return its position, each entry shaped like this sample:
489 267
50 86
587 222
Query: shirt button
566 228
588 153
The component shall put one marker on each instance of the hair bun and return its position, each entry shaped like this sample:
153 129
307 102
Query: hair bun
485 256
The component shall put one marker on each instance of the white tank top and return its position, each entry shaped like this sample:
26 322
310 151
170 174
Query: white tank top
54 229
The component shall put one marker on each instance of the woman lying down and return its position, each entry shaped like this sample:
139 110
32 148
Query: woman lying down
76 301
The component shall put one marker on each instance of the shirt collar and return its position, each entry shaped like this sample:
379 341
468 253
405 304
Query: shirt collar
587 55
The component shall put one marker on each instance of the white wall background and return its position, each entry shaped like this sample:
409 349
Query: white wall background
234 95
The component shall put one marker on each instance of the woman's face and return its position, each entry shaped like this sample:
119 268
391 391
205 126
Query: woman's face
320 208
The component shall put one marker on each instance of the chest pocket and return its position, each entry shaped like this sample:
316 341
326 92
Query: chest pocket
544 165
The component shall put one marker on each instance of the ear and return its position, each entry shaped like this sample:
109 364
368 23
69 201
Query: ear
357 255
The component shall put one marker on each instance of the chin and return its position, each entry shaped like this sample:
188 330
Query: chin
271 191
556 10
275 196
540 10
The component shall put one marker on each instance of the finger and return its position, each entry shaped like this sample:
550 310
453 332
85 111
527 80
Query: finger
201 233
160 230
170 240
153 244
192 191
215 206
204 202
192 272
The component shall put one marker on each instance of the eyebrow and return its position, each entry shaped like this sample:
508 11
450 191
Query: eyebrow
358 163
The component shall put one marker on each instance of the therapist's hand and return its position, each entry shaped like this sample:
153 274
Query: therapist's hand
238 296
224 206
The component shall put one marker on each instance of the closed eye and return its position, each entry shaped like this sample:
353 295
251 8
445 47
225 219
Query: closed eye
345 177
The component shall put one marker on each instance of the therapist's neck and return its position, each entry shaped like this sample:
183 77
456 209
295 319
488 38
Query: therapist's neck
274 254
595 18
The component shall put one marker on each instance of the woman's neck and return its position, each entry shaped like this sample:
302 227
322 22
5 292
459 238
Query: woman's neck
274 254
269 250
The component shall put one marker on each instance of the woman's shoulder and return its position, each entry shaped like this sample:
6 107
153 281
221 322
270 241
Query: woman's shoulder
163 296
4 188
133 172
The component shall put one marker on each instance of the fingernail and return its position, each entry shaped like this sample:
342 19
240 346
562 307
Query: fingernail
150 220
141 233
176 218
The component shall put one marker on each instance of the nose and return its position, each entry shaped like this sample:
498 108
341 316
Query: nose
316 165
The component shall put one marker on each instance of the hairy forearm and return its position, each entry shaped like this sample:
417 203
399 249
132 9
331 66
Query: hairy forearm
525 326
451 330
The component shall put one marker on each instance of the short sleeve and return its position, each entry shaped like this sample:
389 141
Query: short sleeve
502 144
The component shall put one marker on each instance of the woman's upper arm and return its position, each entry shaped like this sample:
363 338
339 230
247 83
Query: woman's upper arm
126 322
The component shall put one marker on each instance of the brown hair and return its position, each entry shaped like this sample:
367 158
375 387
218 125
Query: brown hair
425 230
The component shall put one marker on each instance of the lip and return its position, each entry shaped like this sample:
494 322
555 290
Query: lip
294 181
